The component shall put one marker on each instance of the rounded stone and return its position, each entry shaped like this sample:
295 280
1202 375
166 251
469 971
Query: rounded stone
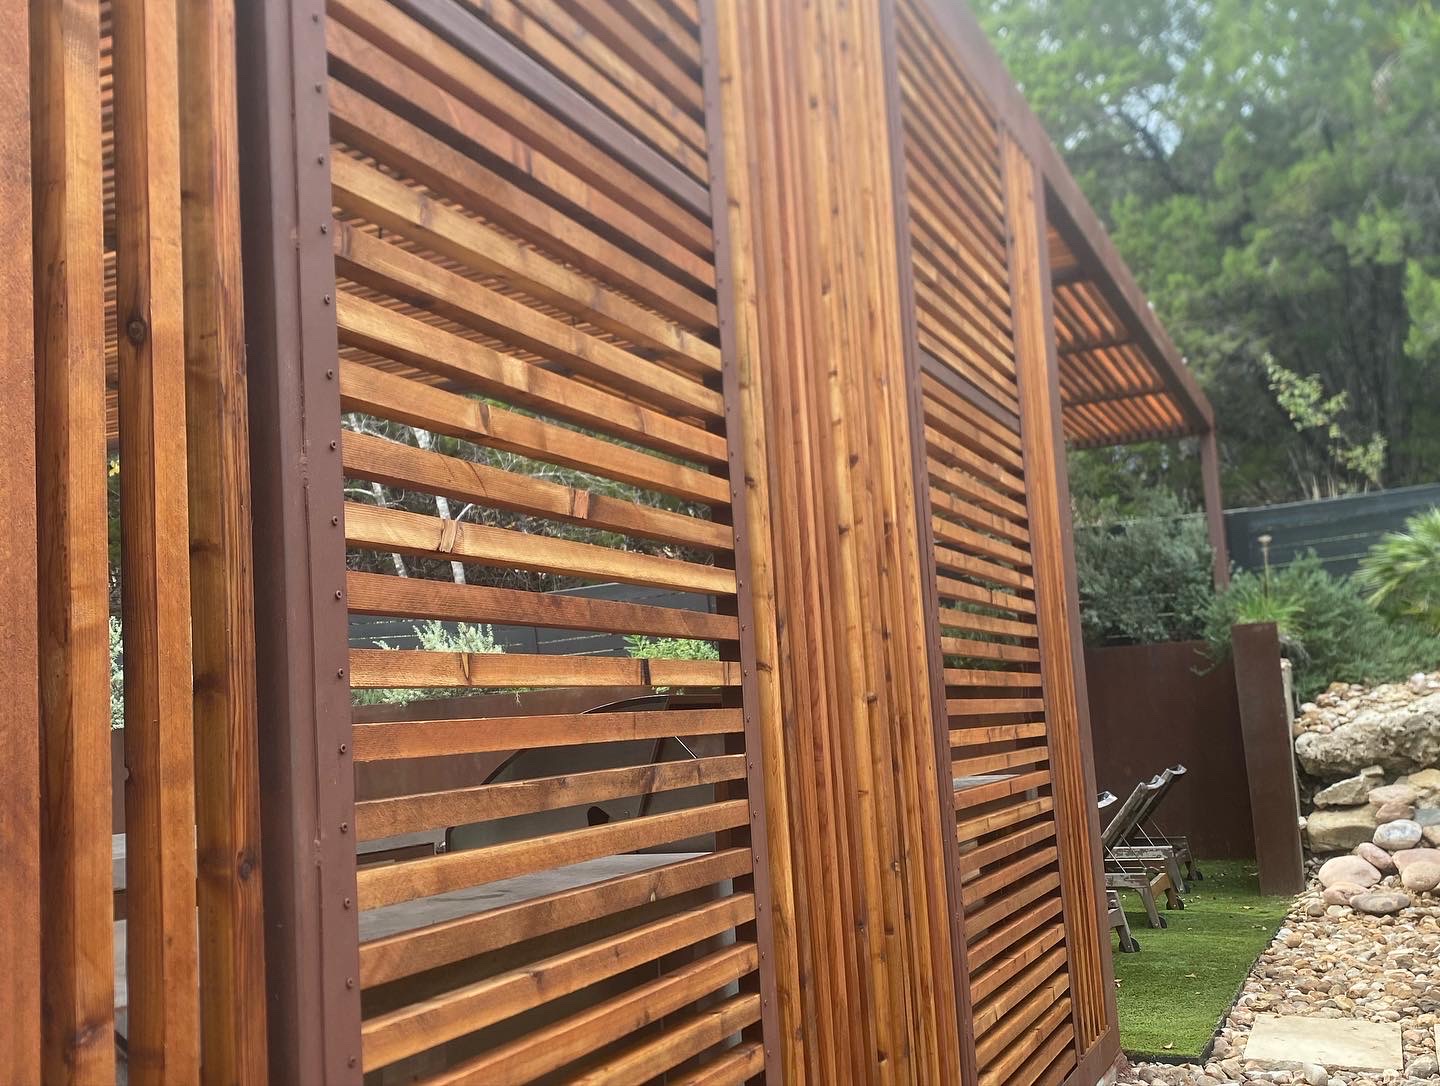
1342 893
1423 1067
1398 835
1405 857
1392 793
1421 878
1383 903
1376 857
1348 869
1395 812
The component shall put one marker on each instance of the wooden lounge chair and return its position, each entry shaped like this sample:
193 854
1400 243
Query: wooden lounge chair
1147 834
1121 924
1132 872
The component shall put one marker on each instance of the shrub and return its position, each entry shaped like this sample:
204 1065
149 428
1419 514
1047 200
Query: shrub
1145 574
433 636
670 648
1402 572
1328 630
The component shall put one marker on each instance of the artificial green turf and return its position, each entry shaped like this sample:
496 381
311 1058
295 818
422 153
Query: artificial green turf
1172 994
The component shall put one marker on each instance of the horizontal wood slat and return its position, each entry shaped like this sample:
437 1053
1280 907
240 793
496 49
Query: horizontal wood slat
403 740
411 952
408 814
390 1037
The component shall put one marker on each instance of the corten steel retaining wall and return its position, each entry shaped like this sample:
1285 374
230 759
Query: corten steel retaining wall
1152 706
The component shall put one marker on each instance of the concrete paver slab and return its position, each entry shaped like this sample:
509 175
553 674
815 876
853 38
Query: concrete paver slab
1333 1042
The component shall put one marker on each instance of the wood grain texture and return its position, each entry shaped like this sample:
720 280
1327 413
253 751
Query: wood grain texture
164 1026
1057 604
76 940
232 952
20 808
880 1002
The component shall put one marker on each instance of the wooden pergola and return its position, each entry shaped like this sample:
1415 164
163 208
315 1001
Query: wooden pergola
788 309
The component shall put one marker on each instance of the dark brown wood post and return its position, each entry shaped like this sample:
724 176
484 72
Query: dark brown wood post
301 660
1214 506
1269 758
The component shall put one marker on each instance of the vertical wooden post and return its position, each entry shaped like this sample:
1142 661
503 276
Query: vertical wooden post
1057 607
1214 506
302 661
164 1033
825 419
782 1024
232 948
78 991
20 725
1269 758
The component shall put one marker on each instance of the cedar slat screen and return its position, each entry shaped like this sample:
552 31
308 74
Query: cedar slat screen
529 373
751 306
1019 927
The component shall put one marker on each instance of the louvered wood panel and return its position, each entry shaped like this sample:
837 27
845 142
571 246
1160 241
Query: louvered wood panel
530 382
1018 936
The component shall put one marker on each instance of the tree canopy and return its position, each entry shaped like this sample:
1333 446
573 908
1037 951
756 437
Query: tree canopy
1271 172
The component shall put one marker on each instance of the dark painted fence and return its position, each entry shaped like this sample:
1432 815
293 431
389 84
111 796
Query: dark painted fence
1339 530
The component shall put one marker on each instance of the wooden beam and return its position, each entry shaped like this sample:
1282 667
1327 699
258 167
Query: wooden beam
1214 507
76 949
222 606
20 810
302 669
1056 601
164 977
783 1030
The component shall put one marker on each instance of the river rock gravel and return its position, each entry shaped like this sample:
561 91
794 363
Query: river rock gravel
1330 962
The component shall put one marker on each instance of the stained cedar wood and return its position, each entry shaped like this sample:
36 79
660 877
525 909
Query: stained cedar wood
399 531
874 1010
397 143
1057 606
306 773
76 940
781 1031
164 1034
553 1046
655 119
388 885
413 96
367 456
390 1037
404 740
398 815
450 68
20 808
232 955
363 190
389 334
408 953
411 597
926 525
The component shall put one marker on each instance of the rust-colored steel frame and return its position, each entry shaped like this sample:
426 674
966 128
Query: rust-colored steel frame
306 773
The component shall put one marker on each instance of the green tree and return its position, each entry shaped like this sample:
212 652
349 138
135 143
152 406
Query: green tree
1272 174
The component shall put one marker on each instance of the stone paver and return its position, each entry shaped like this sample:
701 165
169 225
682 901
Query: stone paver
1364 1046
